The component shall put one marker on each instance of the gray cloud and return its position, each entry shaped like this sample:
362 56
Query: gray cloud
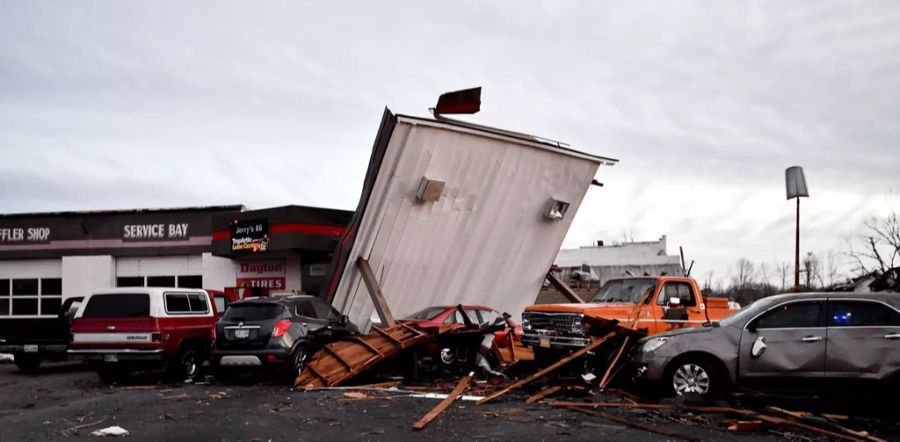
106 105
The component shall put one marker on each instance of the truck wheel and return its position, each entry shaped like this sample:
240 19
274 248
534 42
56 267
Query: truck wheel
695 377
186 366
27 363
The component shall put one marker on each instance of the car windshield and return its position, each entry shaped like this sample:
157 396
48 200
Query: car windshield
119 305
428 313
624 290
253 312
740 317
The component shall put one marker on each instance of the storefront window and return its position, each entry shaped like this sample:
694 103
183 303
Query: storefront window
160 281
4 297
190 281
130 281
24 306
25 287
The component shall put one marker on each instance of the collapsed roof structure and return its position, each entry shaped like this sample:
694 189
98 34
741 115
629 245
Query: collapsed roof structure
453 212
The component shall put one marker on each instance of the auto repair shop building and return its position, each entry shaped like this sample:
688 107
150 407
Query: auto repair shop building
47 257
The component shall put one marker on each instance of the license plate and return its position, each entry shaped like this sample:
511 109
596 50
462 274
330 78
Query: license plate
30 349
111 358
544 342
242 334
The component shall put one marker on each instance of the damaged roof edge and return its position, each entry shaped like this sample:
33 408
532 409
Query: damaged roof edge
521 138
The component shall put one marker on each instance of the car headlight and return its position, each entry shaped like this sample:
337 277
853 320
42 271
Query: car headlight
526 324
653 344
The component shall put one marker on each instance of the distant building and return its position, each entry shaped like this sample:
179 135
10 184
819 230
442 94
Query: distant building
602 262
587 268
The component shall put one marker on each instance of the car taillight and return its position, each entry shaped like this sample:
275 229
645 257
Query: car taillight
281 327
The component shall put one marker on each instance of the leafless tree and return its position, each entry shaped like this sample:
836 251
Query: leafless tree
707 281
764 272
784 270
811 269
744 271
831 269
880 248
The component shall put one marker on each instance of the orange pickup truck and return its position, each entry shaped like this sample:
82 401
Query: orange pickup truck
655 304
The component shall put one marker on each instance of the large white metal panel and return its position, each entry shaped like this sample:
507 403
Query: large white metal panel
485 241
159 265
31 268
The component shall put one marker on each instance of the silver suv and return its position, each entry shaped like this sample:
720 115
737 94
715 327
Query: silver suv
793 337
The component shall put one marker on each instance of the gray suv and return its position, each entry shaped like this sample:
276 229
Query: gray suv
793 337
277 332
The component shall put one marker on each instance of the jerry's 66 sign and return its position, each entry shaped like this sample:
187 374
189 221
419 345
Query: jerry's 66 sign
252 235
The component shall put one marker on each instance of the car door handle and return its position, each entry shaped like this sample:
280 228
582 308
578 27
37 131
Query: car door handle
812 339
892 336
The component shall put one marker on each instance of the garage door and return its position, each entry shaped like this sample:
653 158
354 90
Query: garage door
30 288
160 271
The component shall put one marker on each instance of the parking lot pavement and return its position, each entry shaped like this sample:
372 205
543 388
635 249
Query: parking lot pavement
67 401
64 399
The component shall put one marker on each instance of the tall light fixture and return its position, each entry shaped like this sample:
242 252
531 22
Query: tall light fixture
795 184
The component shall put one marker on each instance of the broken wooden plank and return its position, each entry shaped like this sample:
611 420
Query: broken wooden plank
362 342
765 418
555 365
543 393
343 360
564 288
460 387
338 357
606 376
634 424
388 336
745 426
648 407
374 289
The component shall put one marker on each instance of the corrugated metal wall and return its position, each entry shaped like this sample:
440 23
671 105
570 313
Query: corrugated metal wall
485 241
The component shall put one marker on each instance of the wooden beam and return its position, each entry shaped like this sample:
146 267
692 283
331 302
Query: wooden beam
365 344
564 288
739 411
338 357
374 289
460 387
388 336
543 372
543 393
606 376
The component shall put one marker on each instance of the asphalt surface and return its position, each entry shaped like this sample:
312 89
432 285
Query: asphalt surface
67 402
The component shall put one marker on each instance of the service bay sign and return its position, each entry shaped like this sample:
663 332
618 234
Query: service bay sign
267 274
250 235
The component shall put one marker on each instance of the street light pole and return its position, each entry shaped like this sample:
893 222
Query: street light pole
797 252
795 184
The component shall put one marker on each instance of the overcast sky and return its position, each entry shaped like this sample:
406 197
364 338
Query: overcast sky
148 104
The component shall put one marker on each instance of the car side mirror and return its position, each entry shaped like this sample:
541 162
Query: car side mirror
345 319
675 301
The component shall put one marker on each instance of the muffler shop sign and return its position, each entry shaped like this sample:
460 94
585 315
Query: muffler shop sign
267 274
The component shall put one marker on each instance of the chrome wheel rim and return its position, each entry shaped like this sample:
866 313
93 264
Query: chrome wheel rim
190 365
447 356
691 378
299 362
